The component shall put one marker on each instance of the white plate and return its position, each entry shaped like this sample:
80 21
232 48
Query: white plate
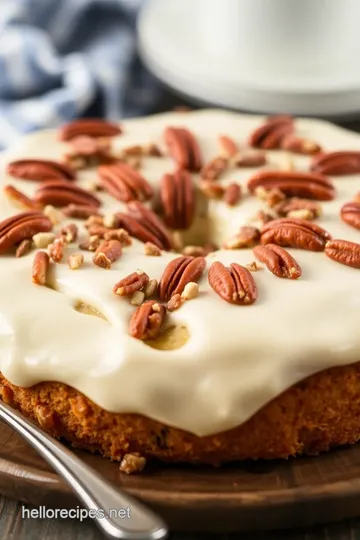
171 45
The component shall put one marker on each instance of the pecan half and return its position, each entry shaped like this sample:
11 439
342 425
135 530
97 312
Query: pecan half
131 283
20 199
178 199
229 147
108 252
60 194
21 227
124 183
40 170
296 233
294 183
178 273
278 261
40 268
284 208
90 127
147 320
300 145
344 252
183 148
250 158
269 135
350 214
80 211
234 284
337 163
214 168
232 195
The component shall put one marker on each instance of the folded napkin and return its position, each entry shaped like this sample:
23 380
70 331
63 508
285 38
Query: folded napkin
60 57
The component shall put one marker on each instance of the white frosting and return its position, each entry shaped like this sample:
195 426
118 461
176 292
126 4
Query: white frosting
237 358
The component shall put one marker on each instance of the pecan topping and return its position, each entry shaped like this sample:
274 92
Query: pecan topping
20 199
108 252
228 146
147 320
124 182
40 170
56 249
211 189
151 250
296 233
234 284
22 227
178 199
88 152
270 135
91 244
350 214
23 248
299 145
178 273
58 193
232 194
183 148
80 211
69 232
214 168
337 163
75 260
278 261
245 238
131 283
250 158
288 206
294 183
344 252
118 234
89 127
40 268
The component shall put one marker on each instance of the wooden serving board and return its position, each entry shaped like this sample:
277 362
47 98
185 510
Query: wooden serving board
247 496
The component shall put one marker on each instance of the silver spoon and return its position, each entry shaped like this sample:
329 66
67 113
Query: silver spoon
94 492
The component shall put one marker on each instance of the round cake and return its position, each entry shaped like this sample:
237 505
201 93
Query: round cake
184 286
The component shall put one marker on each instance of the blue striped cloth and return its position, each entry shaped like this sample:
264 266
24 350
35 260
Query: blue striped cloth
60 57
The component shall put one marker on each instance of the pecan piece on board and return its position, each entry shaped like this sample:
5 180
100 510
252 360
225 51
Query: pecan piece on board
344 252
337 163
294 184
40 170
178 273
60 194
270 134
40 268
350 214
20 199
300 145
22 227
131 283
178 199
108 252
124 183
147 320
234 284
278 261
90 127
296 233
183 148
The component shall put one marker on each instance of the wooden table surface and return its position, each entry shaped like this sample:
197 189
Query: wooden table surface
14 527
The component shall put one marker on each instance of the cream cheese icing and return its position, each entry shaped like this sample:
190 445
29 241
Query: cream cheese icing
237 358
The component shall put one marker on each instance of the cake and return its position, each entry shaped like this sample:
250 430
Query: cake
184 286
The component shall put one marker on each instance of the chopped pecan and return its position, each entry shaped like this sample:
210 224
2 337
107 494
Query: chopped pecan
43 239
184 148
80 211
98 230
137 298
278 261
75 260
232 195
91 244
294 183
175 302
124 182
193 251
150 288
40 268
58 193
55 215
284 208
131 283
23 248
245 238
89 127
39 170
337 163
94 220
250 158
344 252
191 290
118 234
69 232
214 168
178 199
229 147
350 214
234 284
271 196
211 189
269 135
22 227
178 273
300 145
108 252
151 250
20 199
56 249
296 233
147 320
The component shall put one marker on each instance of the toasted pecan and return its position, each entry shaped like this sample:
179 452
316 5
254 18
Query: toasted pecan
178 273
278 261
270 134
20 199
344 252
89 127
178 199
124 183
147 320
184 148
342 162
350 214
40 268
40 170
21 227
296 233
58 194
234 284
132 283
